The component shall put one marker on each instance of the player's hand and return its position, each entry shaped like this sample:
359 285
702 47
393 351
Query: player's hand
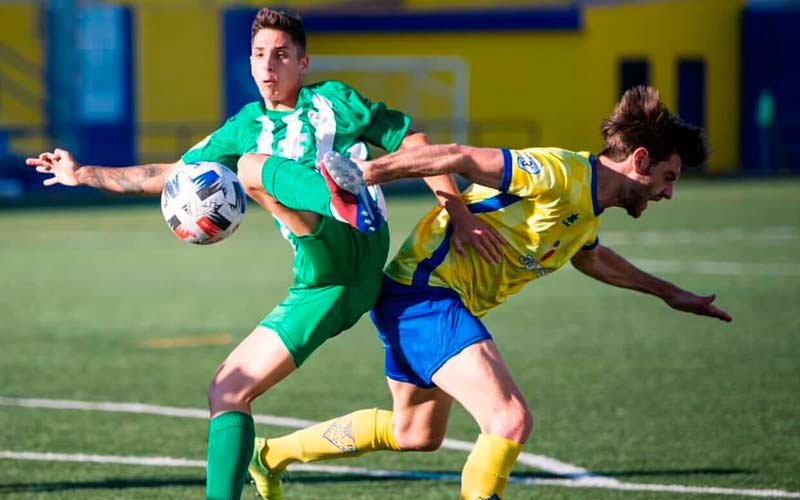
60 164
697 304
470 230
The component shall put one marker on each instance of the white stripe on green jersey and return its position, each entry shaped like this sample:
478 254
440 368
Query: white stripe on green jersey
324 122
328 116
264 141
294 142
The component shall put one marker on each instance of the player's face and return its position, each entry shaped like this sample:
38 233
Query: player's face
277 68
650 183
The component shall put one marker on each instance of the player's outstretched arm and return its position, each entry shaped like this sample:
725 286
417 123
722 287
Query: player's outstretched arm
140 179
479 165
467 229
605 265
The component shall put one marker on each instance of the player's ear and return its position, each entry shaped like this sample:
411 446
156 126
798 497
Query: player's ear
304 64
641 160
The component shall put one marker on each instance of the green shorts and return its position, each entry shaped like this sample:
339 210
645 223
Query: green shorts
337 278
310 316
337 270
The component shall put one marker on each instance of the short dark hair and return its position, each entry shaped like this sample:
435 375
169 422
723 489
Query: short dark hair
640 119
281 20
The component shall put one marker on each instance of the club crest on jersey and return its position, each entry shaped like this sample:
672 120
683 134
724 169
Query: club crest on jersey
528 163
549 251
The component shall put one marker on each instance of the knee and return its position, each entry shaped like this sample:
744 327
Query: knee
216 392
223 395
514 422
418 439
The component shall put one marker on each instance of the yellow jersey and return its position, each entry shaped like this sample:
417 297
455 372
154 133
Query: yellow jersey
546 208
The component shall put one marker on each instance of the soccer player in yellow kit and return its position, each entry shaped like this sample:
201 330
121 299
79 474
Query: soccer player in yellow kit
546 203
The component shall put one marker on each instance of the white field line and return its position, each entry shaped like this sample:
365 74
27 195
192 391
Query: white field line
145 409
586 482
540 462
765 236
721 268
718 268
101 459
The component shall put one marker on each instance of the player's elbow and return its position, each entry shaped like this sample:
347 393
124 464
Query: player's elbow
415 139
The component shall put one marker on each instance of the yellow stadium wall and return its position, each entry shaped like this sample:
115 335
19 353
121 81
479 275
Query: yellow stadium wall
567 82
20 33
179 74
665 32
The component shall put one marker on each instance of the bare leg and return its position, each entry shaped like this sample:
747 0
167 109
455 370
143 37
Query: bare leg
478 379
259 362
420 416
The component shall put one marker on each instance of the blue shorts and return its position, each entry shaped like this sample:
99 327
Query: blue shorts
421 328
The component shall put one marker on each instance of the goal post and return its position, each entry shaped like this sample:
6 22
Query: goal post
433 90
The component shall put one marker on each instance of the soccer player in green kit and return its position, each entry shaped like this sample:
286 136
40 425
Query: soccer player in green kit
339 239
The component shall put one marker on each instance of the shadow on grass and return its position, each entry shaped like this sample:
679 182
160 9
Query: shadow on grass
103 484
315 477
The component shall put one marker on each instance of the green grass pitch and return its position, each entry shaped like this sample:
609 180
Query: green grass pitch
619 384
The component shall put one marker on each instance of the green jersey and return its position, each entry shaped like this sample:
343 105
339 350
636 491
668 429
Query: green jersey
328 116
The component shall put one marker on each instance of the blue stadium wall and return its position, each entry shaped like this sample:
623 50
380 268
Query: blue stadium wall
770 40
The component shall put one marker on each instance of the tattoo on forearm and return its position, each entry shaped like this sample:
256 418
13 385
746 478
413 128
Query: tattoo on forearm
125 180
95 179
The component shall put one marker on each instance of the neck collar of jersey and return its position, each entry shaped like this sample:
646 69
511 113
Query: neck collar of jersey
595 203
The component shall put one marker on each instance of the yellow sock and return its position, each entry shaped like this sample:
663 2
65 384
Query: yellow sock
347 436
488 468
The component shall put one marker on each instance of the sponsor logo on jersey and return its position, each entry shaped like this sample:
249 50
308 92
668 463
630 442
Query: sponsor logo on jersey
528 163
530 264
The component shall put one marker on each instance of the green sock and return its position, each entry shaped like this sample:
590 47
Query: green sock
296 186
230 448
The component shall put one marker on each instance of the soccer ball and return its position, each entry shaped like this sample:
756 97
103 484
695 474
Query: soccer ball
203 202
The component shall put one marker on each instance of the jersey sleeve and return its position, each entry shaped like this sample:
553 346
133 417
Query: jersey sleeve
529 173
222 146
357 116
